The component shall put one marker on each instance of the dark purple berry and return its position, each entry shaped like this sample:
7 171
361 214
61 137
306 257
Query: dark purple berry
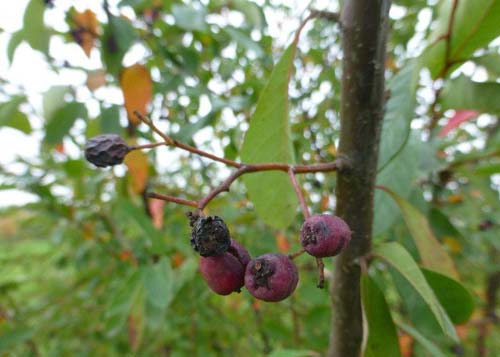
239 252
226 273
271 277
106 150
324 235
210 236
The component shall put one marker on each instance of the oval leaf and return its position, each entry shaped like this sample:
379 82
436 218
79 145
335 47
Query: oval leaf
382 336
431 252
269 140
453 296
475 25
394 254
137 88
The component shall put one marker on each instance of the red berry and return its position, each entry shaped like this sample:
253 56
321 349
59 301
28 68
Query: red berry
324 235
226 273
271 277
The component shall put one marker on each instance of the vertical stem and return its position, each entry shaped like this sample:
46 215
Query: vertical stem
364 24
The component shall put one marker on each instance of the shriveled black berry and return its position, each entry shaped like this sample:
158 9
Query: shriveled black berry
106 150
210 236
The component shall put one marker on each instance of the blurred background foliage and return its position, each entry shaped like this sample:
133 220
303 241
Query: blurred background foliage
91 266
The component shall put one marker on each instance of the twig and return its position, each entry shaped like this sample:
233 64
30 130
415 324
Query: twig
174 199
327 15
298 191
224 186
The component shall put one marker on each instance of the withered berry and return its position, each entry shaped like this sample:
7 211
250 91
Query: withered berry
106 150
210 236
271 277
324 235
226 273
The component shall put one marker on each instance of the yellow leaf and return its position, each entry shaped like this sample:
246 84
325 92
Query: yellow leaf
137 88
86 30
137 164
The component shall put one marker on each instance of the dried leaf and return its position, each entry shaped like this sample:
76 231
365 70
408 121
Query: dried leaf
86 30
137 88
137 164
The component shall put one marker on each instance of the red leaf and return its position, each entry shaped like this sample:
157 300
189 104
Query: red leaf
460 117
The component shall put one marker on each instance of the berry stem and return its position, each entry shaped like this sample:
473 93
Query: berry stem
300 195
321 272
296 254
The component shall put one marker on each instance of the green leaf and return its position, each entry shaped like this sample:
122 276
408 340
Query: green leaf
15 40
10 115
475 25
431 252
245 41
62 121
292 353
463 93
118 37
189 18
394 254
269 140
34 30
120 303
398 175
426 343
491 62
487 169
136 321
399 113
110 120
153 239
14 337
158 283
382 336
53 100
252 12
453 296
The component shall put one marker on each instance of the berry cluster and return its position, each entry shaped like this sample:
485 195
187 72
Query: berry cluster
225 264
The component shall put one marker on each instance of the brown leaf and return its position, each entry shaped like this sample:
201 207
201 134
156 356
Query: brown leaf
137 88
86 30
137 164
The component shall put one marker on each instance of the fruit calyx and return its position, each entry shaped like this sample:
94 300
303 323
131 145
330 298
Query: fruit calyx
210 236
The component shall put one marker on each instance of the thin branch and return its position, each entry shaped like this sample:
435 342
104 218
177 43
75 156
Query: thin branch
224 186
298 191
327 15
173 199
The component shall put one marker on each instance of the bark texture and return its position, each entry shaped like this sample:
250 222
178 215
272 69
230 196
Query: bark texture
365 25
